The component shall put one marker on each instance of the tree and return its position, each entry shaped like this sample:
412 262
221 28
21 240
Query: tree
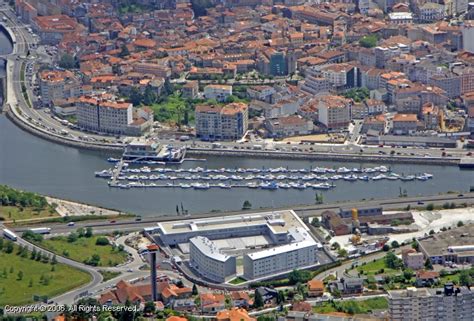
280 297
460 223
395 244
247 205
72 237
124 52
102 241
428 264
67 61
299 276
135 96
386 248
342 253
195 290
407 274
431 232
429 207
258 300
368 41
392 261
149 97
20 275
465 278
9 247
149 308
319 198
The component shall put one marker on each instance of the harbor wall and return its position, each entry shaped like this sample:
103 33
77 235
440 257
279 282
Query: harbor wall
59 140
322 156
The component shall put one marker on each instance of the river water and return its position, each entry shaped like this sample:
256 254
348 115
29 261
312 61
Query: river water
30 163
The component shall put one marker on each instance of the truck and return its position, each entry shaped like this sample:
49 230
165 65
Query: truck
9 234
41 230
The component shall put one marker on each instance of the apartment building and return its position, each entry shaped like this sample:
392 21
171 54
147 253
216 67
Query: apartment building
104 115
218 92
158 70
314 83
404 124
334 111
432 304
190 90
229 122
301 253
209 261
52 29
59 85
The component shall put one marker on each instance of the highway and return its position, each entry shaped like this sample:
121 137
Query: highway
302 211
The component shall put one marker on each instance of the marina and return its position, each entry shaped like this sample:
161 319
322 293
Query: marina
126 176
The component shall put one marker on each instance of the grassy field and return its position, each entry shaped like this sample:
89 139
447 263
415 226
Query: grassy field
237 280
353 306
109 275
84 248
11 213
373 268
15 292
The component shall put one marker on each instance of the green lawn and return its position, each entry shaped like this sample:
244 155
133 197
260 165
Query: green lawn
373 268
172 108
237 280
10 213
16 292
84 248
353 306
109 275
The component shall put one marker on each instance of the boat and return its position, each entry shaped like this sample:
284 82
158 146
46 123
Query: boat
269 186
407 178
364 178
335 177
428 175
300 186
225 186
343 170
379 177
422 178
321 186
185 185
104 174
202 186
113 160
252 185
283 185
350 178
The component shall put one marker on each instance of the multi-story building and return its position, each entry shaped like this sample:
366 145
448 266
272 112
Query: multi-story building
334 111
288 126
301 253
430 12
412 259
229 122
52 29
314 83
158 70
218 92
190 90
437 304
56 85
209 261
104 115
404 124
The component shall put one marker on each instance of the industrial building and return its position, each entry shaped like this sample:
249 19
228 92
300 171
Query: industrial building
270 243
456 246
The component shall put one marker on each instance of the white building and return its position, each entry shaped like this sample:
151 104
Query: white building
430 12
103 115
440 304
218 92
315 84
271 243
334 111
301 253
468 37
207 259
58 85
400 17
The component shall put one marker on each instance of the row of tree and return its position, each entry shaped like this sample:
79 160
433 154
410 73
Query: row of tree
12 197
